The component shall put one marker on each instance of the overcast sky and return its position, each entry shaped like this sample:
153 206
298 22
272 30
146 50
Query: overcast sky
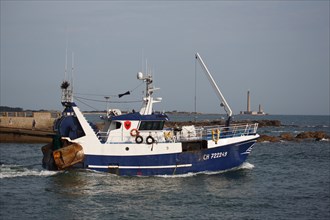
279 50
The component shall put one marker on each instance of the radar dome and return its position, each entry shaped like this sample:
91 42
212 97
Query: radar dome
140 75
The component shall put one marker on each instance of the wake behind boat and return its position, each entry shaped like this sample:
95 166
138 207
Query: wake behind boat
137 143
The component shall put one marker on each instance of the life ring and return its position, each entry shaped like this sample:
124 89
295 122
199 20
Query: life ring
134 132
139 139
150 140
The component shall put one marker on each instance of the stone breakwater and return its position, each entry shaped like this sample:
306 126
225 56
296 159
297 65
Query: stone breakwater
28 120
27 127
21 135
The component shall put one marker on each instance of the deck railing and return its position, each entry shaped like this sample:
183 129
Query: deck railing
195 134
235 130
218 132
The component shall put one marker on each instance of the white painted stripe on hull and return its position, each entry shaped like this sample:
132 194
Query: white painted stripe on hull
139 167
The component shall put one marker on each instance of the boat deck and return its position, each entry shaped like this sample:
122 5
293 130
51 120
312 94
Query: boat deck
189 133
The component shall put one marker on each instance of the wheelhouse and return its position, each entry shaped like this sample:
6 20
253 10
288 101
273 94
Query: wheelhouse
118 128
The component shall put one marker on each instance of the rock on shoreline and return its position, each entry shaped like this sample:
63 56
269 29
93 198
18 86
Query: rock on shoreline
309 135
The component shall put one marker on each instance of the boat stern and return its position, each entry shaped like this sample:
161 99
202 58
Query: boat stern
63 156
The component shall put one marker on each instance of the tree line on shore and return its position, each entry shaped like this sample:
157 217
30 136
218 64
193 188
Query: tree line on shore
19 109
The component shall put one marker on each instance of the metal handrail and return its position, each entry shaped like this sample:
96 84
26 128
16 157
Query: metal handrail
200 133
234 130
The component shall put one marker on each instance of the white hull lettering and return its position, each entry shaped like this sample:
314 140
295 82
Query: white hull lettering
215 155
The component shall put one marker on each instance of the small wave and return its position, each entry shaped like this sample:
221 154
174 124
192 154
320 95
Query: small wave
325 139
178 175
317 126
279 131
12 171
243 166
247 166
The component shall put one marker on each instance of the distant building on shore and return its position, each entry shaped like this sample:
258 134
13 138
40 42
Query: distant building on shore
248 108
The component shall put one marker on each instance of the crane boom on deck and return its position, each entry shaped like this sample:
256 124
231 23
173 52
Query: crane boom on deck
216 88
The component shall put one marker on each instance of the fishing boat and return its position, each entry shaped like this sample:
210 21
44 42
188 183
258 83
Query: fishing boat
138 143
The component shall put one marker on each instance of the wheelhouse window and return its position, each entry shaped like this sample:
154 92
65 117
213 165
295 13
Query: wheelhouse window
151 125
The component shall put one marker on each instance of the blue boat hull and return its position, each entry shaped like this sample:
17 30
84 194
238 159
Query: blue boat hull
215 159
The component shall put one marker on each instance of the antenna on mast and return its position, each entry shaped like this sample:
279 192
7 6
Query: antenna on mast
67 98
66 55
72 71
195 98
66 61
142 60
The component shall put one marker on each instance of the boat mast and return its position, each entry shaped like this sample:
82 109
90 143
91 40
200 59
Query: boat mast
67 88
148 100
216 89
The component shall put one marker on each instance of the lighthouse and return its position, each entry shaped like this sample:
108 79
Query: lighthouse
248 107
